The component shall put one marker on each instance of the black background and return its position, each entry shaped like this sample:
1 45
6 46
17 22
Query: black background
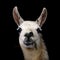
31 10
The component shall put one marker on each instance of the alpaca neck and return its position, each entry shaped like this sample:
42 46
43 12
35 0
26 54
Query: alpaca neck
36 54
31 54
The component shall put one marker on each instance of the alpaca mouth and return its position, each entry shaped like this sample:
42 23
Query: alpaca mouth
29 43
29 46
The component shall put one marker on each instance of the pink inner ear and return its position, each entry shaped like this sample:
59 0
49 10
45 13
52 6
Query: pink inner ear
43 16
16 17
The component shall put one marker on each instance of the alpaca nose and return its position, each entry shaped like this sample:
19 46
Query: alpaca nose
28 35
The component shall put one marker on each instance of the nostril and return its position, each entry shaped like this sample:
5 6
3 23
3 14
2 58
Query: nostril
31 33
26 35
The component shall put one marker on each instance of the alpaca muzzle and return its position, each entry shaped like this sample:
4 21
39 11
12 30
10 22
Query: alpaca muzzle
28 41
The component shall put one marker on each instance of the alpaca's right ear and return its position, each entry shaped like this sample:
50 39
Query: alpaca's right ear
17 18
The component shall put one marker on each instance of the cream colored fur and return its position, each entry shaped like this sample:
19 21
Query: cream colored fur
33 54
30 52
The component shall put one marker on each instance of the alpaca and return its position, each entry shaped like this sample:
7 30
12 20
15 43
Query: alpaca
30 37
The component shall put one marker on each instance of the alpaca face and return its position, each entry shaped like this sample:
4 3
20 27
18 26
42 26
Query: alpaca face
29 31
29 35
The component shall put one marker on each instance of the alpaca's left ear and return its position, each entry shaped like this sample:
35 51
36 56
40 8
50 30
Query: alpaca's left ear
42 18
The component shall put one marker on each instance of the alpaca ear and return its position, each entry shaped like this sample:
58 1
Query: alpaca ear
17 18
42 18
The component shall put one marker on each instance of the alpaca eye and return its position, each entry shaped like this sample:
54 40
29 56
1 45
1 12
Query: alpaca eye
38 30
19 30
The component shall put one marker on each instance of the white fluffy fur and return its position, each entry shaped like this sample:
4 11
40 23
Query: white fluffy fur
30 53
29 26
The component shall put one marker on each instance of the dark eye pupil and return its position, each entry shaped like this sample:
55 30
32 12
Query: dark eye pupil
19 30
38 30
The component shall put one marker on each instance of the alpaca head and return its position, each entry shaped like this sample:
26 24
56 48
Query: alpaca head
29 31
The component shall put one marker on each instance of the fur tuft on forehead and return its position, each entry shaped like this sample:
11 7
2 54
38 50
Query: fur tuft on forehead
30 24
